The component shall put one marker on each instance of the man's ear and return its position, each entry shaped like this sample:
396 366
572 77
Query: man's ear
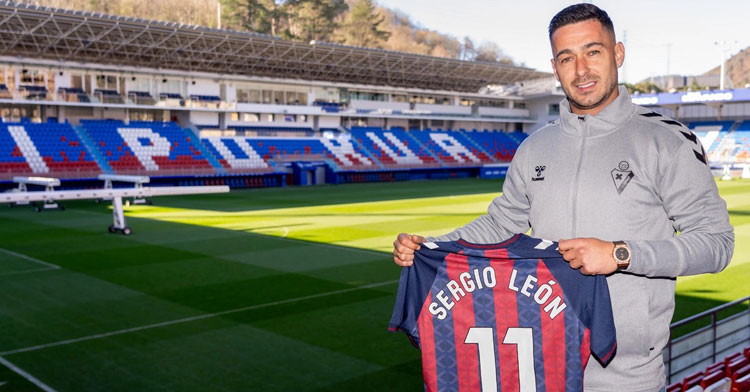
619 54
554 68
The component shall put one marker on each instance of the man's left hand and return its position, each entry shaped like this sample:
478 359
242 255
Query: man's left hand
591 255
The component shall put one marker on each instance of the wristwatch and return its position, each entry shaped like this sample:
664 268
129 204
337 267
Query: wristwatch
621 254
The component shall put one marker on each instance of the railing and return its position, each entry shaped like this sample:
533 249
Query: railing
712 313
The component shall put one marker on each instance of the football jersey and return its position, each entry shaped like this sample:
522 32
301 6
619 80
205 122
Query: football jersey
504 317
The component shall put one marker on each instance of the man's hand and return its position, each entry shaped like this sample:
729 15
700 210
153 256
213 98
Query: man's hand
404 247
592 256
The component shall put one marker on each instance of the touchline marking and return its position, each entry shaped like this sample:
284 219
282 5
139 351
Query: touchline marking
10 252
193 318
27 272
25 375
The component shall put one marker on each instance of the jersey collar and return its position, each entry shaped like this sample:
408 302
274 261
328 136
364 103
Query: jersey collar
611 118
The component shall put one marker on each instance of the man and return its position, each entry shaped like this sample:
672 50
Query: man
619 182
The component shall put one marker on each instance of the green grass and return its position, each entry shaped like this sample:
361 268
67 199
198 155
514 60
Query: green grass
258 290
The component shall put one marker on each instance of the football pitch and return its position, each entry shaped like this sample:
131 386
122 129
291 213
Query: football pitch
255 290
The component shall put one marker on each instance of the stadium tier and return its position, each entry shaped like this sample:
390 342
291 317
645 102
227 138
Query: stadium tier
445 145
742 142
393 148
165 149
43 149
147 148
731 373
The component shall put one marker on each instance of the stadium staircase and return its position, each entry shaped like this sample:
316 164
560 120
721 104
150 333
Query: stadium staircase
44 149
93 150
193 133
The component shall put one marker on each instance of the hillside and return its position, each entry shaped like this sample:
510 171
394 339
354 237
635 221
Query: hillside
737 69
349 22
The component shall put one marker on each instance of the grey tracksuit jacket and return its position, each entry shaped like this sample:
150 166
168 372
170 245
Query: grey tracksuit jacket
628 174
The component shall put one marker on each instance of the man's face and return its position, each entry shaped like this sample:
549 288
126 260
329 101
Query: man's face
585 63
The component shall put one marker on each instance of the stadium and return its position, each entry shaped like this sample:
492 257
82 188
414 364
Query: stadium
215 210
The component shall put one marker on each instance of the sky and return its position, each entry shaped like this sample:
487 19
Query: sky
682 37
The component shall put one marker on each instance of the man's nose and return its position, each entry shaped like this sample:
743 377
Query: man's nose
582 66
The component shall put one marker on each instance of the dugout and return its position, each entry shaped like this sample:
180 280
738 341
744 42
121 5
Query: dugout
308 173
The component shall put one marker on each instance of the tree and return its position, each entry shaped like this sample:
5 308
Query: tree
361 26
468 52
260 16
314 19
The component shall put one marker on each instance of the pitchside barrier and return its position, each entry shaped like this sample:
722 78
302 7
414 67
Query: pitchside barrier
696 350
116 195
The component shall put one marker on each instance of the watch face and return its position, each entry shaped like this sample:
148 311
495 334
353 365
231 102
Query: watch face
622 253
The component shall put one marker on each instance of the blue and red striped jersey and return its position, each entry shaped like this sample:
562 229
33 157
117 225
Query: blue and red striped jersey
504 317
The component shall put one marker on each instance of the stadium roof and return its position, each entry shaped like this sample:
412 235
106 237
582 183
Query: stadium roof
49 33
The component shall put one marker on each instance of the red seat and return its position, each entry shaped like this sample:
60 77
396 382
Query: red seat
712 378
741 385
692 380
714 367
746 351
676 387
741 372
732 358
737 364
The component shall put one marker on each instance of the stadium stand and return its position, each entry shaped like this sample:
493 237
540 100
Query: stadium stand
715 137
742 142
141 98
43 148
33 92
446 148
330 107
71 94
108 96
4 92
732 373
499 145
147 147
393 148
236 154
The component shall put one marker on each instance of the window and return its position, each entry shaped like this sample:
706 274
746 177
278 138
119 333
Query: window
553 109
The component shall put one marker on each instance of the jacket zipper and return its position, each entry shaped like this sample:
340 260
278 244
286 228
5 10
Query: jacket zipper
576 183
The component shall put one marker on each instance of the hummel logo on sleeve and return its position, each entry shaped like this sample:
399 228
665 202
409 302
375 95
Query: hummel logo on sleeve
539 171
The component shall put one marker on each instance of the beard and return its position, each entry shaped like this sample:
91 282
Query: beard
580 105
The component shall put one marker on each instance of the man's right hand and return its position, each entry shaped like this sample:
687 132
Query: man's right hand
404 247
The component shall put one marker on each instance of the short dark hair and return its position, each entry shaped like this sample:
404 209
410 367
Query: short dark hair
579 13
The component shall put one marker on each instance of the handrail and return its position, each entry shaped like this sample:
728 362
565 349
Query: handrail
707 312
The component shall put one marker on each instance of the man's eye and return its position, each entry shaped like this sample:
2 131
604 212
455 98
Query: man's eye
565 60
593 53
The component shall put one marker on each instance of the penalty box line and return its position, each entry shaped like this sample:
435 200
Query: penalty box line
25 375
190 319
33 260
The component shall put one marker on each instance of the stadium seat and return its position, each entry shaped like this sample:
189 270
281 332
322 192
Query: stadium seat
714 367
692 380
44 149
738 363
392 148
741 372
712 378
731 358
676 387
741 385
147 147
746 351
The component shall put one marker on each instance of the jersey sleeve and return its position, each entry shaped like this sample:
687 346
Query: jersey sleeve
601 322
413 288
589 296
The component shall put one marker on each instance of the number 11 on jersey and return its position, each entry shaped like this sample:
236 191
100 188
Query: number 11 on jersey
523 338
